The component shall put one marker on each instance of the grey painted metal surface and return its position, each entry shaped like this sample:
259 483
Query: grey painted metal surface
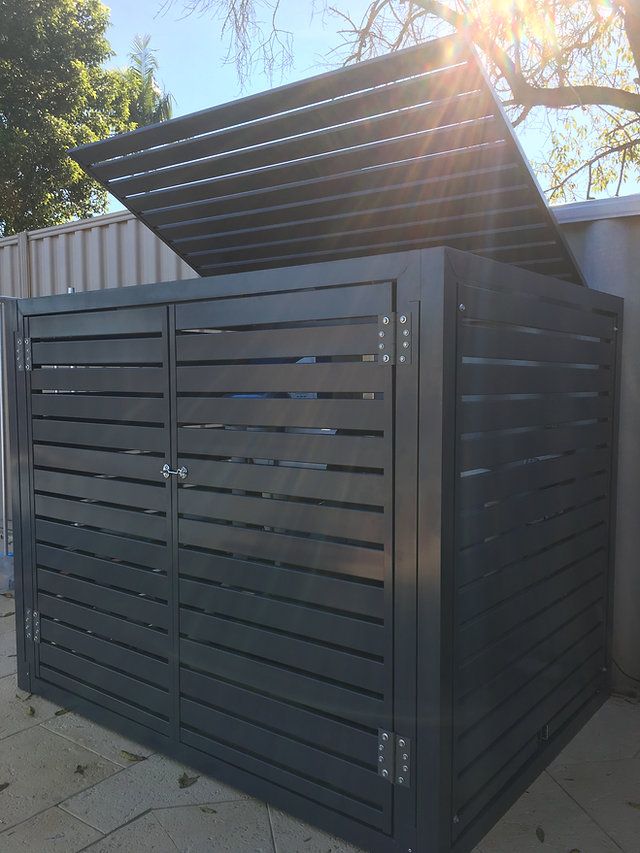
606 237
271 615
409 150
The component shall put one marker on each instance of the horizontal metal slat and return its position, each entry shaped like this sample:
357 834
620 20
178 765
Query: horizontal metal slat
97 515
501 342
347 339
406 63
484 523
478 489
502 633
390 126
286 515
335 216
521 379
124 604
346 487
517 682
481 143
366 415
107 679
102 489
302 654
128 661
132 465
101 435
93 407
294 782
366 377
101 699
88 324
489 450
478 168
486 415
114 379
327 114
291 686
321 766
318 448
515 546
303 586
317 729
351 560
295 618
102 544
105 572
516 310
369 300
118 351
120 630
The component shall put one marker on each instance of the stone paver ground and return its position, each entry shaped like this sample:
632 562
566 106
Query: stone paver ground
73 786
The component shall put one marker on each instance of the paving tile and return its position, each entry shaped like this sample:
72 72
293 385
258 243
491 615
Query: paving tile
39 768
7 604
546 818
52 831
610 792
8 620
238 827
96 738
294 836
144 835
7 653
612 734
15 713
151 784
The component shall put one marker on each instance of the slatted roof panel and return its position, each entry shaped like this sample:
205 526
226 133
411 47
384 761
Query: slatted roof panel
410 150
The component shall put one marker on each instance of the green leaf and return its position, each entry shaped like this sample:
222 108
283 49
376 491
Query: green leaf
61 712
31 711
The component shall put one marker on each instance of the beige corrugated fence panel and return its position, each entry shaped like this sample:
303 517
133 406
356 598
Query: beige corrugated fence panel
115 250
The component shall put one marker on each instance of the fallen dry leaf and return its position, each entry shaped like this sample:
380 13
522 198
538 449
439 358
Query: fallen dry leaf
6 615
61 712
634 806
208 810
31 711
540 835
4 786
8 595
80 769
187 781
131 756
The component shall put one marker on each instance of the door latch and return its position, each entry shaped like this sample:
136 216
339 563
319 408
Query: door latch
167 471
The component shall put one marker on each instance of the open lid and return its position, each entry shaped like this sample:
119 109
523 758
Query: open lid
409 150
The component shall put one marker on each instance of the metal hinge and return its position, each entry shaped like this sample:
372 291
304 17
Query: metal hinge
394 338
394 758
23 353
32 625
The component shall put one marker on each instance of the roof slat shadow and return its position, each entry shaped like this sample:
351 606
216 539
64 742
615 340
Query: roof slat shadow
404 151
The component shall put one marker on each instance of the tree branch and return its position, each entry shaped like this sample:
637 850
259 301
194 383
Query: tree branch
632 27
616 149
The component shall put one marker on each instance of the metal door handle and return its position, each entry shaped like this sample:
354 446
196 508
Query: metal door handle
167 471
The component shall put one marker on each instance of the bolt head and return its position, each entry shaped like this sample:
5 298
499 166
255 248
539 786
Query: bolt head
385 773
385 321
385 736
402 743
385 358
405 757
405 344
405 768
380 346
406 333
401 780
381 333
403 318
402 359
381 759
462 307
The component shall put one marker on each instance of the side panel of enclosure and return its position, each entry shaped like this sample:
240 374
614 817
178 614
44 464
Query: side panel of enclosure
536 410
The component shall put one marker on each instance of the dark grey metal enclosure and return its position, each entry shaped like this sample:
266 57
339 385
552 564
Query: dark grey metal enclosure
375 587
339 533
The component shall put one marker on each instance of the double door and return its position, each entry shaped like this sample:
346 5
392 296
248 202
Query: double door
211 529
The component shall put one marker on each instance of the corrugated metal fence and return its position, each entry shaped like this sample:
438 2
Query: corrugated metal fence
109 251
